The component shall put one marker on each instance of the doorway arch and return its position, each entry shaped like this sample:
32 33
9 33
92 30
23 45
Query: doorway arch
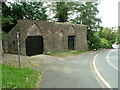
34 45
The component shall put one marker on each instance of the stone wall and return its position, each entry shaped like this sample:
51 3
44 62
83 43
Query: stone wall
12 39
5 42
55 35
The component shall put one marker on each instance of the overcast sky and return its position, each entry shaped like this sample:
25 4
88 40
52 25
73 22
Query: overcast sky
108 12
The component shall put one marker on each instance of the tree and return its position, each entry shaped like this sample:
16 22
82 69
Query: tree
118 35
22 10
86 14
108 36
105 43
7 20
61 10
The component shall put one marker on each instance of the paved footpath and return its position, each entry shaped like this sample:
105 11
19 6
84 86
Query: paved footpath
70 72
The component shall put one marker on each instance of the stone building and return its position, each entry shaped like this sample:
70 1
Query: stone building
37 37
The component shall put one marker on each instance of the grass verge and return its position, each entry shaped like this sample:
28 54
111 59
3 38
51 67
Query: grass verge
13 77
0 76
28 63
65 53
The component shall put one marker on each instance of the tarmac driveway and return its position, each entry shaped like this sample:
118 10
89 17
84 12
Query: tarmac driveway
72 72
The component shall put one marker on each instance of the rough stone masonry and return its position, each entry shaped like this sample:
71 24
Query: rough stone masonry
40 36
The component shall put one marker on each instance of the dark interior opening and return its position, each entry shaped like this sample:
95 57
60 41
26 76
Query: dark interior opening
71 42
34 45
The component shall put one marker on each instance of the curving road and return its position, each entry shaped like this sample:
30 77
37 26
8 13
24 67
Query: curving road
78 72
107 65
72 72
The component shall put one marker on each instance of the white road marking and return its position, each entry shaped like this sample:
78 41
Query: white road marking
99 75
61 59
108 61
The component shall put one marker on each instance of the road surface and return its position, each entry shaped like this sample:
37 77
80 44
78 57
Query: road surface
78 72
107 65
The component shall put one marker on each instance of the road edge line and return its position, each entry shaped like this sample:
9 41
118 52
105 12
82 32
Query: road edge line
97 73
108 61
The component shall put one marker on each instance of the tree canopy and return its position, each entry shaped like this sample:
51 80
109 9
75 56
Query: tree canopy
22 10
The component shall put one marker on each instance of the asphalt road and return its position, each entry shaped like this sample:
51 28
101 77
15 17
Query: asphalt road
78 72
72 72
107 65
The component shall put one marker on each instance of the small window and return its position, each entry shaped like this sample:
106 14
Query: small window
13 43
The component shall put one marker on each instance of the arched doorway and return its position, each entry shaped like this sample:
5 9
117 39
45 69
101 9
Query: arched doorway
71 43
71 38
34 45
34 41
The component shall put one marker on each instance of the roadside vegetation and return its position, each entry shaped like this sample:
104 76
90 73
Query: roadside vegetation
25 77
24 63
19 78
104 38
0 76
64 53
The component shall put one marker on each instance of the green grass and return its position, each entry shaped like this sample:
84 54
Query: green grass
23 64
65 53
0 76
19 78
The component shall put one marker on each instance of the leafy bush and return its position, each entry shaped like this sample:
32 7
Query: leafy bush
105 43
104 38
